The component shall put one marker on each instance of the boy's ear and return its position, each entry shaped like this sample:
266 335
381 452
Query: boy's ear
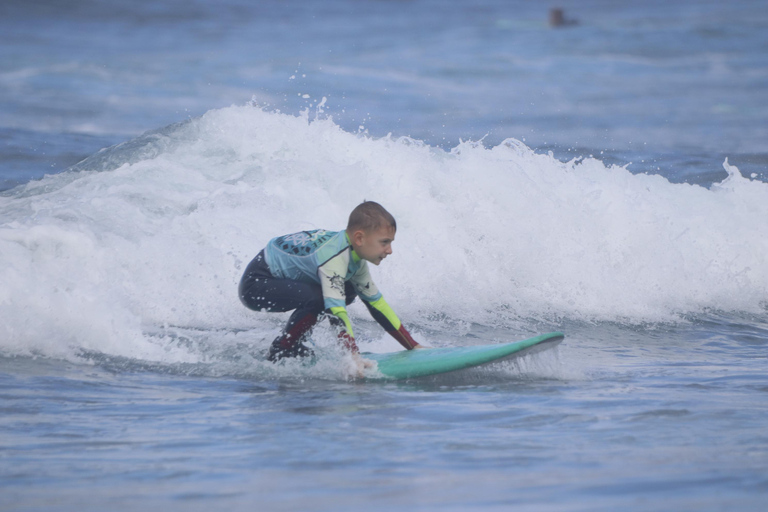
358 237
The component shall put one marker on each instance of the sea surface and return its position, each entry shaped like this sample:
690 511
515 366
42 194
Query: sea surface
607 178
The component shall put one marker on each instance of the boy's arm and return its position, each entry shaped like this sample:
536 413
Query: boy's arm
331 274
339 318
386 317
380 310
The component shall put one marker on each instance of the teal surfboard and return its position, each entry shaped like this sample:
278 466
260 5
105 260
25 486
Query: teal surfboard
419 363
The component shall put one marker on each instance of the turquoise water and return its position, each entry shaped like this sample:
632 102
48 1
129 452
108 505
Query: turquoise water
606 180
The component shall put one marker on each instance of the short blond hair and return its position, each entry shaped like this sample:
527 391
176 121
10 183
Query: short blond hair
370 216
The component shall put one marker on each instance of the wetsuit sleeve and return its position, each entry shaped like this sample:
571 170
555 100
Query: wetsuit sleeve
340 319
364 284
342 314
331 274
386 317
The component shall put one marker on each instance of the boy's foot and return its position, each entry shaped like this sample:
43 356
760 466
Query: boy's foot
277 352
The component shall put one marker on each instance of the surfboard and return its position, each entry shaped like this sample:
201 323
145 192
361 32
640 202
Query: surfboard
408 364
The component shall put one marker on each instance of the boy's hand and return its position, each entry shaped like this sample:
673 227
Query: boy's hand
362 364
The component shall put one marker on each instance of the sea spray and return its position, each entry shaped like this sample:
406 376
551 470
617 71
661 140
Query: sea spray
156 232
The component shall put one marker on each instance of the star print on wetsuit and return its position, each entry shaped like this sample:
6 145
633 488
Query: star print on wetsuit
303 243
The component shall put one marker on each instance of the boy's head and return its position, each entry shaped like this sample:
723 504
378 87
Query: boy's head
370 216
371 230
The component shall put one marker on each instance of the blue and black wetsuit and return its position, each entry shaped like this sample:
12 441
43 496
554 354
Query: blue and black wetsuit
313 272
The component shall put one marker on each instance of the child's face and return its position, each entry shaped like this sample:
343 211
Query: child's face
374 245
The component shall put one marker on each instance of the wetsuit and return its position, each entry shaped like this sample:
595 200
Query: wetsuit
315 272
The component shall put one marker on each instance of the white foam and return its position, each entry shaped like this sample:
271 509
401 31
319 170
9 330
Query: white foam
95 259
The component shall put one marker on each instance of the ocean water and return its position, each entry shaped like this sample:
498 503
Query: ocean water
606 179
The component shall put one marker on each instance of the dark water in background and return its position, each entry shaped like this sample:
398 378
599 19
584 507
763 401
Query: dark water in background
131 378
670 87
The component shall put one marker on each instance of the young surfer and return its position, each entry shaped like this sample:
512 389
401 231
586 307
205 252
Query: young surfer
318 273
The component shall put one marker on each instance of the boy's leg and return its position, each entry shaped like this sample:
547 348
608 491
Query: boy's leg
260 291
301 322
280 295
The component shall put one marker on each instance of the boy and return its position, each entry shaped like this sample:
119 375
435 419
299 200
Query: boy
316 272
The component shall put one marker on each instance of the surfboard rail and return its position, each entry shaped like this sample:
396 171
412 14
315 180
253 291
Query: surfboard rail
407 364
